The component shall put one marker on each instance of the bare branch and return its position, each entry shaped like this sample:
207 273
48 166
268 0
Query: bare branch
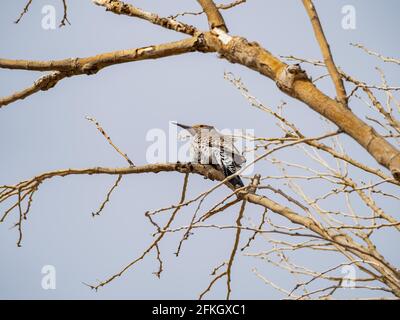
63 21
65 16
107 199
215 19
152 246
120 7
211 284
252 238
219 6
326 51
373 53
101 130
342 156
234 250
24 11
91 65
42 84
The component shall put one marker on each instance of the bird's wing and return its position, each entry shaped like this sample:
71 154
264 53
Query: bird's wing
229 147
238 159
227 164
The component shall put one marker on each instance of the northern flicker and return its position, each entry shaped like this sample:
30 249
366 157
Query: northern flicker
208 146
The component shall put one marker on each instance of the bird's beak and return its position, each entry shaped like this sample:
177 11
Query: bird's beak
182 125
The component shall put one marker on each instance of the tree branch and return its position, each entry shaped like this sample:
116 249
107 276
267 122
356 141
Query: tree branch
42 84
326 51
220 6
373 53
105 135
63 21
24 11
119 7
91 65
215 19
65 16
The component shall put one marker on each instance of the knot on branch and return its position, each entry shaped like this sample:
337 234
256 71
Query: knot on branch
48 81
183 167
394 166
288 75
90 68
201 43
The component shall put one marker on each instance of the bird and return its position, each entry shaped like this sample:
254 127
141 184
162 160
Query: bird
208 146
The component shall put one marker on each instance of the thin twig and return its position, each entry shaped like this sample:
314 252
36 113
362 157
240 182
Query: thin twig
98 126
220 6
24 11
234 250
65 16
107 199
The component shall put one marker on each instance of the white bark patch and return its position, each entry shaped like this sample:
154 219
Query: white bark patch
146 50
222 36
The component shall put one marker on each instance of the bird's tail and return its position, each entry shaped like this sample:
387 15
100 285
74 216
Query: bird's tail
236 181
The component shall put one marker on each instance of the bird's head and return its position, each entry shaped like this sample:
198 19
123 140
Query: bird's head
195 128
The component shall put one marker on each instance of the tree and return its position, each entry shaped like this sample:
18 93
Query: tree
346 232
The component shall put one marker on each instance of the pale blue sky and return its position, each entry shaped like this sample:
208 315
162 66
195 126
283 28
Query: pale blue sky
48 131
